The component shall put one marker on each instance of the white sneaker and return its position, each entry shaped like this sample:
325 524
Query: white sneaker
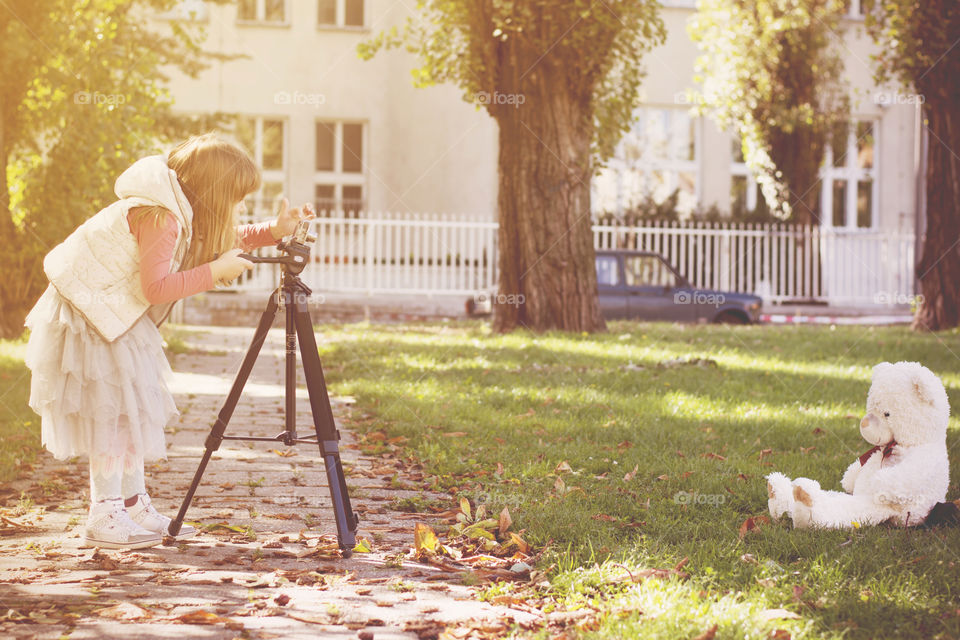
110 527
145 515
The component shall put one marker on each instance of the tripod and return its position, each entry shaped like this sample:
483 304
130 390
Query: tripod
291 297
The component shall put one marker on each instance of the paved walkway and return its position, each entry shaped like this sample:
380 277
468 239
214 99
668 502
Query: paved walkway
270 570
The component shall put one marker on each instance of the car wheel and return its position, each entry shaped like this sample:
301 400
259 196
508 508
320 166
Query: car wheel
730 317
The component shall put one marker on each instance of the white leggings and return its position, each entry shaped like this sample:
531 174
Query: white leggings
112 478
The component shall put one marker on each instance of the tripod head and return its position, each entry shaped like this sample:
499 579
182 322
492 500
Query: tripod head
295 250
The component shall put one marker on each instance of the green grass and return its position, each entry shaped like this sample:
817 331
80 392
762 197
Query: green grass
19 425
699 438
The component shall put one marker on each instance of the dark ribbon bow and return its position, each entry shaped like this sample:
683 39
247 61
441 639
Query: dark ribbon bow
887 451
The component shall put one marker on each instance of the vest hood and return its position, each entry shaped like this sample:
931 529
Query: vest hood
149 181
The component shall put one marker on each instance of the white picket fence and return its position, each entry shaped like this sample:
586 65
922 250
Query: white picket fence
433 255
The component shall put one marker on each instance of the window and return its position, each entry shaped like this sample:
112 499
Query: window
340 13
262 11
656 158
648 271
855 8
849 175
607 271
339 178
744 191
265 140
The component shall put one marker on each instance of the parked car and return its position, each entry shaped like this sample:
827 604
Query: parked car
643 285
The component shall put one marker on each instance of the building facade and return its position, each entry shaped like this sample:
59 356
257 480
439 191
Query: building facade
328 127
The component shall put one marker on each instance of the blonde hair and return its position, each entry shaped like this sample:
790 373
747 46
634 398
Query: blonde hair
215 175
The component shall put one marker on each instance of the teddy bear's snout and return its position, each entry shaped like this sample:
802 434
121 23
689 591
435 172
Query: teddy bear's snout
874 431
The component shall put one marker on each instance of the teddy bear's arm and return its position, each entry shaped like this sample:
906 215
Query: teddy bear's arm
850 476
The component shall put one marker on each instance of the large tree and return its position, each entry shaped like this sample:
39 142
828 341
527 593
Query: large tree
771 72
561 78
920 46
81 96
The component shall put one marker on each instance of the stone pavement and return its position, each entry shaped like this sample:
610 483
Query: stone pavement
265 566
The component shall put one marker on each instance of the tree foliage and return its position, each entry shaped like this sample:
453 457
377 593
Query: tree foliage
599 45
561 78
771 73
81 97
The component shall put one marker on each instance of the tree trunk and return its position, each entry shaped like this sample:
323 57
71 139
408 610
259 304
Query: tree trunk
547 274
797 155
938 268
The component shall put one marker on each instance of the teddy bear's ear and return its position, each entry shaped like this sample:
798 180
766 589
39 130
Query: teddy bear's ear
924 387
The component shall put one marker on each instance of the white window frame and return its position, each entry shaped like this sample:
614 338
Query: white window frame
262 209
260 20
341 12
668 166
852 175
337 177
740 169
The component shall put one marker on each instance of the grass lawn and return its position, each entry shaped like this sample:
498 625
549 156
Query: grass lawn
19 425
667 460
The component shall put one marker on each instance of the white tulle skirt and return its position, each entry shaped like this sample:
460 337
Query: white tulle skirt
94 397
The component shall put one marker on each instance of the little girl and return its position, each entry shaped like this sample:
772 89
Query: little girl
98 369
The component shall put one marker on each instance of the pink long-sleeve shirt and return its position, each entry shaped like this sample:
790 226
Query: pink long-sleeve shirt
156 251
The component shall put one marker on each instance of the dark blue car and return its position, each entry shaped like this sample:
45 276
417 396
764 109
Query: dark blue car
640 285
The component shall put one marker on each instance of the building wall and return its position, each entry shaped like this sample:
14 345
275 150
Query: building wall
427 150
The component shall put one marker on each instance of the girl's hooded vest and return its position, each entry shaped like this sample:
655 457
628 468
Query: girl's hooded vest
97 268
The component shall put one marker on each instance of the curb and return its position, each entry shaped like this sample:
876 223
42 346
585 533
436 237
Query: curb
775 318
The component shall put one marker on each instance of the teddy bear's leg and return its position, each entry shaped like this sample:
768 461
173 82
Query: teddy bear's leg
814 507
779 495
804 492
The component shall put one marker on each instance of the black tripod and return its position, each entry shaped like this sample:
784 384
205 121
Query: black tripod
291 296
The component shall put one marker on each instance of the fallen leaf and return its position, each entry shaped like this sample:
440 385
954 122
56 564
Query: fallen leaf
505 521
765 452
752 523
776 614
455 434
563 467
630 474
560 486
363 546
424 539
779 634
201 617
708 634
124 611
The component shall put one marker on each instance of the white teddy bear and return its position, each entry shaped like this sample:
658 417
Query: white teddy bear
901 478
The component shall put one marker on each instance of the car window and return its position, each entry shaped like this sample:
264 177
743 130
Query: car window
648 271
607 272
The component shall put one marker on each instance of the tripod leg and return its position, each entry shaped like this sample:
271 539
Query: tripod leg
327 435
216 432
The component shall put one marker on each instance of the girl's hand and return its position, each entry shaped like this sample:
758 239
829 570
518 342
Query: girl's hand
287 219
227 267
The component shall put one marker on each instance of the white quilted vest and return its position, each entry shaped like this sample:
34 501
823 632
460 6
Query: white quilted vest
97 268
